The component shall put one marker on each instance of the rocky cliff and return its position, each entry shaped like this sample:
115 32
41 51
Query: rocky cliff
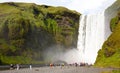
27 29
109 55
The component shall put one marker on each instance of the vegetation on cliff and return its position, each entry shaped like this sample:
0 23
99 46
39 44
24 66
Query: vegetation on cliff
27 29
109 55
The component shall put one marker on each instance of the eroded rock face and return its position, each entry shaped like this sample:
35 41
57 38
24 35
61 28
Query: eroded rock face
27 29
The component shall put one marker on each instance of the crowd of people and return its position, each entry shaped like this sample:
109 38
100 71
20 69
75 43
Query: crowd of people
51 65
73 64
17 66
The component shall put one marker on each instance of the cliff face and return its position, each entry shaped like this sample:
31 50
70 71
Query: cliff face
110 13
109 55
26 30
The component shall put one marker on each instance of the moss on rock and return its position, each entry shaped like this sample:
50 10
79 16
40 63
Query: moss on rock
27 29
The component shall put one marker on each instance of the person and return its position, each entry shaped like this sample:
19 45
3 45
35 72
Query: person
17 66
11 66
76 64
62 65
51 65
30 66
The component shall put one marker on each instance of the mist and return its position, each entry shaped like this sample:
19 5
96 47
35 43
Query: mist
59 53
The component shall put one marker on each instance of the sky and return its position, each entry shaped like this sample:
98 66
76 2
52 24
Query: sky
82 6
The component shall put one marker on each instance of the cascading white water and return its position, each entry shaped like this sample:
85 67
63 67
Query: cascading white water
91 36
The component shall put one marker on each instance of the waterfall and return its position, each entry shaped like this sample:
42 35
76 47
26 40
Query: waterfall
91 36
94 29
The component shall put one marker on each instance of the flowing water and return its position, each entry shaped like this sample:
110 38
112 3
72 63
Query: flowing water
94 29
91 36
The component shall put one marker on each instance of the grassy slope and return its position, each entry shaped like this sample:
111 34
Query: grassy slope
27 29
109 55
113 71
